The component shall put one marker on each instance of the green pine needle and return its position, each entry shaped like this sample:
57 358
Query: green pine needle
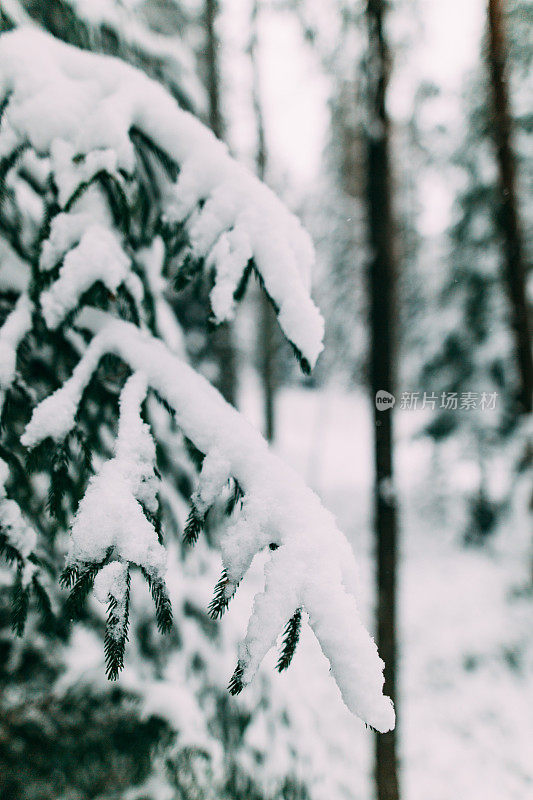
162 401
39 457
191 267
19 604
371 728
116 634
163 606
291 635
117 200
59 481
43 602
305 366
82 582
9 162
8 552
196 456
240 291
236 684
193 527
220 601
140 139
236 497
69 576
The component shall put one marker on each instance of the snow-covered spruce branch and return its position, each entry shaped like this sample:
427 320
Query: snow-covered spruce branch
311 565
101 123
15 327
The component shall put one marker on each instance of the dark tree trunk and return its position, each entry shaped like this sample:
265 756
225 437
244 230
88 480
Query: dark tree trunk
382 330
223 339
216 122
514 267
267 339
267 366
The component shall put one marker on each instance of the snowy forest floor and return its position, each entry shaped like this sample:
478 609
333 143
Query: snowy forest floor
466 651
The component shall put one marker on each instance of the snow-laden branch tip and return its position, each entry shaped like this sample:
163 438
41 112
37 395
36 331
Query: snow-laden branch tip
111 513
312 566
84 111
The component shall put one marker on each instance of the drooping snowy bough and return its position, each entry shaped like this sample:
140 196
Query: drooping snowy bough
133 195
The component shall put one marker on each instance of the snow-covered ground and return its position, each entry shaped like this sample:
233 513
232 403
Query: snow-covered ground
466 648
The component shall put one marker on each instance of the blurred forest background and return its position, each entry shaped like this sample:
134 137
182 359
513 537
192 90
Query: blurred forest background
400 133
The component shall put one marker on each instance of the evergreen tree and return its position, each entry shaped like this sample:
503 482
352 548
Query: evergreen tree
111 196
337 216
473 351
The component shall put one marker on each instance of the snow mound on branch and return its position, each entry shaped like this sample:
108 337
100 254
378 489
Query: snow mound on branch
80 109
111 513
15 327
110 581
19 534
97 257
215 474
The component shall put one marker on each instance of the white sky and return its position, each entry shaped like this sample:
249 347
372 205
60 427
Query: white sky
453 30
444 39
295 91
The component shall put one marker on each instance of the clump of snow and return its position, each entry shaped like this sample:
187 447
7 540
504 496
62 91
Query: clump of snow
66 231
15 273
71 169
55 415
80 109
111 515
19 534
15 327
110 581
215 474
230 255
98 256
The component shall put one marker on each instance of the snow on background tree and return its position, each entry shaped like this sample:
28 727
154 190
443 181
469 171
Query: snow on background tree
473 348
105 198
